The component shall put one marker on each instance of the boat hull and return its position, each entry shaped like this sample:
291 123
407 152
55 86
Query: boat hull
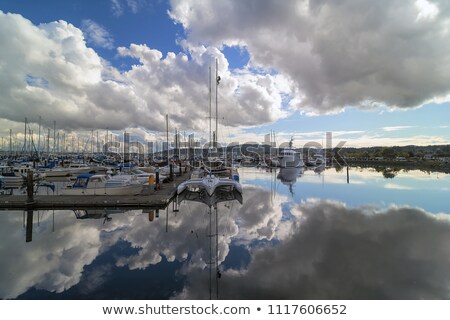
109 191
209 184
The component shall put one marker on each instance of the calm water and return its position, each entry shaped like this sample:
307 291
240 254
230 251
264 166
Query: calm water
383 235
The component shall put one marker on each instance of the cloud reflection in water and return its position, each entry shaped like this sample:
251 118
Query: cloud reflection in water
324 250
335 252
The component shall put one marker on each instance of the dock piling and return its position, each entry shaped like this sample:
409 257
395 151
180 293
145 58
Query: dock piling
30 186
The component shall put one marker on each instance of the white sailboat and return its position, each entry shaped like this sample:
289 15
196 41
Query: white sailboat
205 180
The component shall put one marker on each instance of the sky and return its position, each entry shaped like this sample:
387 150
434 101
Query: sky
374 73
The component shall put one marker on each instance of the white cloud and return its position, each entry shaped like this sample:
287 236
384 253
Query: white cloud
135 5
426 10
396 128
336 54
68 82
116 8
96 34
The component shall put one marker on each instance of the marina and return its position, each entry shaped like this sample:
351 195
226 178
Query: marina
244 151
148 198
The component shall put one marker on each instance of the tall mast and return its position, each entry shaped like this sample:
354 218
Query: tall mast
217 109
39 138
167 137
10 142
25 138
48 143
210 111
54 136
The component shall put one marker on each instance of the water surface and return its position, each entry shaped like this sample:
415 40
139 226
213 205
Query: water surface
297 235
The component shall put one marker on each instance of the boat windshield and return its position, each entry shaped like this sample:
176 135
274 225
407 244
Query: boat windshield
81 183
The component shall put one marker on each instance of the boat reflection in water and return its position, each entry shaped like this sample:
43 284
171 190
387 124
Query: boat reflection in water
97 213
221 194
288 176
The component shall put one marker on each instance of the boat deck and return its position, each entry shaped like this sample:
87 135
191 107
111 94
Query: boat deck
147 199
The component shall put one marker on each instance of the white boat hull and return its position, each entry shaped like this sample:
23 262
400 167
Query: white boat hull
110 191
209 184
11 179
90 184
56 173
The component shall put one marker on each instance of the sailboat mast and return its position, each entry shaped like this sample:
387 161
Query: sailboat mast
217 110
54 136
210 111
10 142
39 139
25 138
167 137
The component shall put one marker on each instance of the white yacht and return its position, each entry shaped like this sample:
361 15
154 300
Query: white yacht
73 169
289 158
101 184
288 176
8 176
136 175
211 182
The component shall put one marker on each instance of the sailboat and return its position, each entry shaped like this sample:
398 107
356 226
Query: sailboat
209 178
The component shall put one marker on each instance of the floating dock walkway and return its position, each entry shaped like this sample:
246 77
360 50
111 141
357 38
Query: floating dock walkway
147 199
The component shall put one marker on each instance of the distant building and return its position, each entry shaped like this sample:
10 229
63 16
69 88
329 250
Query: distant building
269 140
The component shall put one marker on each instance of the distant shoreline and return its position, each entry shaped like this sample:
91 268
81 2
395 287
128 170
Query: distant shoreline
424 165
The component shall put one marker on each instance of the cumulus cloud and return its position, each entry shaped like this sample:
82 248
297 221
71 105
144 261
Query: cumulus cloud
65 80
336 252
336 53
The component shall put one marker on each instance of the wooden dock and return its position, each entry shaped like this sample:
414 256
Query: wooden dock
147 199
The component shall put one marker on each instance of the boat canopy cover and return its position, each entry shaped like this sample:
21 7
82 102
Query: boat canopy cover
82 180
85 176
